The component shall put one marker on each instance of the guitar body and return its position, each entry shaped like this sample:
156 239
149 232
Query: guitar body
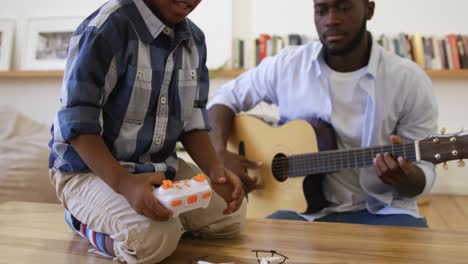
261 142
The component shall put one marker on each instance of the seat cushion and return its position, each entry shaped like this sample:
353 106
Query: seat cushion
24 158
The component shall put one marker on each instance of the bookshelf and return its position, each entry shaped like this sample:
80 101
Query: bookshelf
448 74
5 75
225 74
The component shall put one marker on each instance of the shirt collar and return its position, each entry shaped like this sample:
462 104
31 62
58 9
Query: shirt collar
153 26
374 59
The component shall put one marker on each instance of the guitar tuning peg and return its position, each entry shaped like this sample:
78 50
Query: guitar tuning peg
461 163
445 166
442 131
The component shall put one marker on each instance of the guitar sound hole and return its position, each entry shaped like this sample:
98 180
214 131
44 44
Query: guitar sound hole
279 167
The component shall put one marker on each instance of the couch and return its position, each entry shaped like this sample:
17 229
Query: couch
24 158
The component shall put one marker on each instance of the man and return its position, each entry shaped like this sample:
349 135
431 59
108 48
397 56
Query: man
369 96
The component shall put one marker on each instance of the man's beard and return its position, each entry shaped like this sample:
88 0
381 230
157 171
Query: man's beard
351 46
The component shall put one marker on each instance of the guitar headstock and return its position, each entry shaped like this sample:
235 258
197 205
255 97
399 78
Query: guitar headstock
441 148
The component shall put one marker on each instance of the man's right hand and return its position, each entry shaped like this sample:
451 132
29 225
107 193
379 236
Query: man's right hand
239 165
138 190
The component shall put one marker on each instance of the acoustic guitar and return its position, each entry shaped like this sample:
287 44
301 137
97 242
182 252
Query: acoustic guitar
290 152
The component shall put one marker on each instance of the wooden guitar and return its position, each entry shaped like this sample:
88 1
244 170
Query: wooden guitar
291 151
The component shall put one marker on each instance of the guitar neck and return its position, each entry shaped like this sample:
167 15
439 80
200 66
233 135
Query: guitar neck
336 160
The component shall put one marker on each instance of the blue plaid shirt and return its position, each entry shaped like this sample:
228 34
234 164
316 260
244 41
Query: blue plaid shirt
136 82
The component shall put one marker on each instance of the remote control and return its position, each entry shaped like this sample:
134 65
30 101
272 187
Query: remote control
186 195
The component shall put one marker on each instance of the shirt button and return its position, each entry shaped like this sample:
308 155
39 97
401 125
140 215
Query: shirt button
193 73
158 140
167 31
163 100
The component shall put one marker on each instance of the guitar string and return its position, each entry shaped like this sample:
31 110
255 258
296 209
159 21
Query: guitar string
346 154
319 165
299 169
343 153
304 161
336 156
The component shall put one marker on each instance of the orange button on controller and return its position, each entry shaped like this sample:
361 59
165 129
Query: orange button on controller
192 199
199 178
167 186
176 203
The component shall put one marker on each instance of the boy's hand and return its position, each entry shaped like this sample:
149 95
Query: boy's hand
239 164
227 185
138 190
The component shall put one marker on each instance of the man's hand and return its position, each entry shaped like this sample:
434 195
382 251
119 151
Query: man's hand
239 165
408 179
227 185
138 190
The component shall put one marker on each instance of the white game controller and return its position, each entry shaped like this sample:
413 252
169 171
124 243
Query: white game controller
186 195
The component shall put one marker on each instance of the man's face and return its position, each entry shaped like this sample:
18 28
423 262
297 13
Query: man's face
341 24
172 12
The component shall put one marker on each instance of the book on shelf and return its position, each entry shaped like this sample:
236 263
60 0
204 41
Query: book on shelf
432 52
462 52
447 52
263 46
418 50
249 53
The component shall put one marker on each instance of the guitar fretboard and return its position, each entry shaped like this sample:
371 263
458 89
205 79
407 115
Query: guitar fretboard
336 160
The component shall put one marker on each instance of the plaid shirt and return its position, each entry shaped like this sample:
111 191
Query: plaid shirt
136 82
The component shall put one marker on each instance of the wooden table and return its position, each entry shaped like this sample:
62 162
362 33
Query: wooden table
37 233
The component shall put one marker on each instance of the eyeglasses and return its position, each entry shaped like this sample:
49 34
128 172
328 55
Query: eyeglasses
201 260
263 257
197 260
269 256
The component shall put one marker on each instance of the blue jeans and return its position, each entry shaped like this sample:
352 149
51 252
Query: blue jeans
359 217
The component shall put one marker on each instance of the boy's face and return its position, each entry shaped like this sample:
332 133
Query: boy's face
172 12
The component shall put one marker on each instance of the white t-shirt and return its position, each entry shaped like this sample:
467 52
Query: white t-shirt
348 98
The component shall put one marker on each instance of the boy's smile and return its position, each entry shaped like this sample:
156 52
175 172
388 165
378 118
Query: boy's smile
172 12
183 7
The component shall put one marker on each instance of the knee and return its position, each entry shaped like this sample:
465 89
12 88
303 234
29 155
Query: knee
149 241
228 226
238 220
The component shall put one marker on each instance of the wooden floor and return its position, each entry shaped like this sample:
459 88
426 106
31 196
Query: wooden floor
446 212
36 233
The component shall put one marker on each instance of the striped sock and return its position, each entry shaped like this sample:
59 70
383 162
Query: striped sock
98 240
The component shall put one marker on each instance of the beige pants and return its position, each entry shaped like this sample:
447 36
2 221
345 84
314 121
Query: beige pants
138 239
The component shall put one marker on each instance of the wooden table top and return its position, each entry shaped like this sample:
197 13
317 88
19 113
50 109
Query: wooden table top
37 233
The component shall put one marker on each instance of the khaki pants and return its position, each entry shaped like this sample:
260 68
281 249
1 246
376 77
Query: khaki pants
138 239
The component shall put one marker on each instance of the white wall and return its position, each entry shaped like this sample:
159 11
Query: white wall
22 10
218 34
252 17
39 97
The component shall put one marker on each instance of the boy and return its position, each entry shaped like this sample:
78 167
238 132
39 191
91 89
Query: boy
135 83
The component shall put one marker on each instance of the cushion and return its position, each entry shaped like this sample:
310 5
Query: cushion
24 158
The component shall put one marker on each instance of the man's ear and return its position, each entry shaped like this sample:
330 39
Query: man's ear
370 10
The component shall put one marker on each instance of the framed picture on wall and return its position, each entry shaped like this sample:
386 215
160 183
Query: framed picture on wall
47 42
6 43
